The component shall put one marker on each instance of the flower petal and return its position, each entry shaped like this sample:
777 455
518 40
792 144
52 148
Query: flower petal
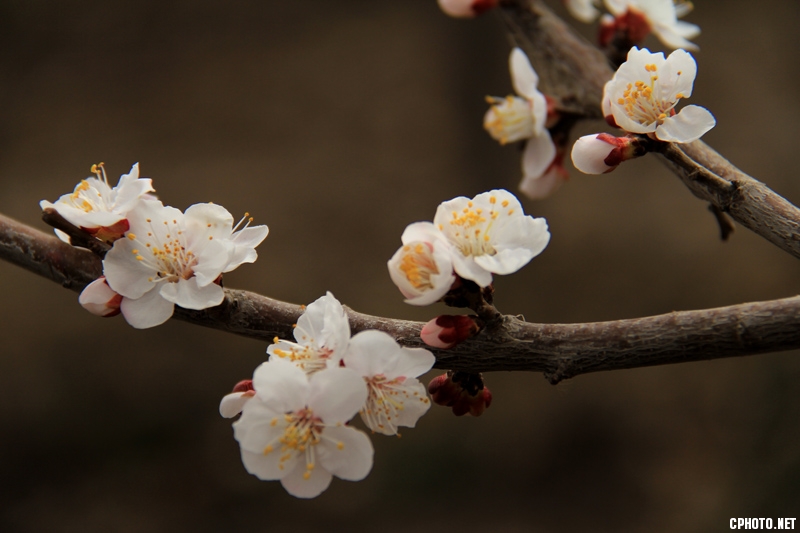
98 298
281 386
523 77
232 404
413 362
537 188
209 220
691 123
148 311
538 155
260 465
415 405
467 268
300 487
126 275
520 240
244 244
336 394
187 294
346 452
372 352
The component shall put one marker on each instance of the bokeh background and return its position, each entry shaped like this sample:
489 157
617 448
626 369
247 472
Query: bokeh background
337 124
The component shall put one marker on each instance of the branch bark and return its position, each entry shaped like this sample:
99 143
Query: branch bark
560 351
574 72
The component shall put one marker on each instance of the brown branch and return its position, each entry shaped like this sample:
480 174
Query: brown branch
560 351
574 72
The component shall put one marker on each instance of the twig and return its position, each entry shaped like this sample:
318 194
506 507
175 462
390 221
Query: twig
574 72
726 226
560 351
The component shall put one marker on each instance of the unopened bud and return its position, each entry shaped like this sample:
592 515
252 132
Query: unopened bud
628 29
233 403
601 153
445 331
466 8
99 299
462 391
244 386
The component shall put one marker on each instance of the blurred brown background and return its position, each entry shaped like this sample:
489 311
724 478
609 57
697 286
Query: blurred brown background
337 124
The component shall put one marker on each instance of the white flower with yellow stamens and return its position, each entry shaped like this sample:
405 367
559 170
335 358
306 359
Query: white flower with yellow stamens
169 258
524 117
396 398
293 429
423 267
98 208
490 234
644 91
322 335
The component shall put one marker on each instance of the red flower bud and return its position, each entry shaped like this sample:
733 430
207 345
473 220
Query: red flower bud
462 391
445 331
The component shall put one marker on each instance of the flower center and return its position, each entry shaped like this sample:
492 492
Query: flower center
309 357
302 431
166 254
418 265
640 103
87 198
386 398
471 229
509 119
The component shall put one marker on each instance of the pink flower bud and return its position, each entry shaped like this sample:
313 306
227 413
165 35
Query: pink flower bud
445 331
601 153
233 403
462 391
244 386
629 28
466 8
99 299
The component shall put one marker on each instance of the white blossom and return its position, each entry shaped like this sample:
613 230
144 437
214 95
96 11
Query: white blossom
523 117
322 335
396 398
662 18
423 267
490 234
95 205
293 429
169 258
643 93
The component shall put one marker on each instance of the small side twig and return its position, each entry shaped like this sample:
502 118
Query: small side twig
77 236
726 225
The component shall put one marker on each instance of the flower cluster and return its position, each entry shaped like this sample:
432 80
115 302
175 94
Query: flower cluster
294 412
161 257
641 99
527 117
469 239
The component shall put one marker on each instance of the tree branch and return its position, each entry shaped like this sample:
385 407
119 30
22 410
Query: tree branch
574 72
560 351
